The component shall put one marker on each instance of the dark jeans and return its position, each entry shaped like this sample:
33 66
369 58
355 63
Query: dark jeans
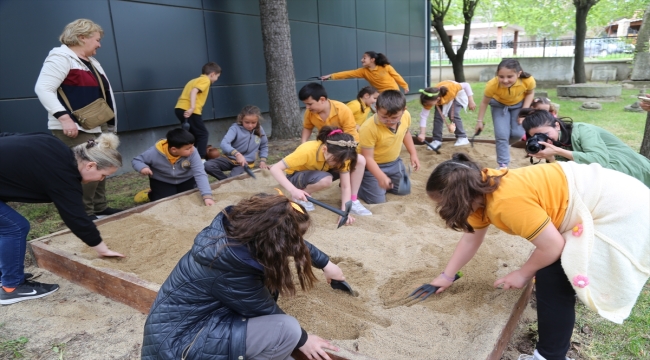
161 189
555 311
197 128
13 242
216 167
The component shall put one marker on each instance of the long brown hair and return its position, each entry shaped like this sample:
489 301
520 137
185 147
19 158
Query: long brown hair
340 145
457 183
272 229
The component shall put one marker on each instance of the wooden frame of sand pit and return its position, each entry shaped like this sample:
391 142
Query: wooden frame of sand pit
140 294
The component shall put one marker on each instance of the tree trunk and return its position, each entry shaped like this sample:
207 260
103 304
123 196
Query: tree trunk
640 69
645 144
579 73
280 77
438 13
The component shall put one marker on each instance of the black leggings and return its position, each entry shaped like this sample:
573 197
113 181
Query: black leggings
161 189
197 128
556 314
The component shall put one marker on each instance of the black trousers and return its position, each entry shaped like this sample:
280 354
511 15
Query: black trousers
197 128
556 314
161 189
216 167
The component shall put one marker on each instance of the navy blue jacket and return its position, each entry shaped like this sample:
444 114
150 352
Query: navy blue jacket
202 308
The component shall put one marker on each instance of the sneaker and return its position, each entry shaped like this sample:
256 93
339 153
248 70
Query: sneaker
92 217
436 145
536 356
503 167
359 209
27 291
108 211
306 204
462 141
27 277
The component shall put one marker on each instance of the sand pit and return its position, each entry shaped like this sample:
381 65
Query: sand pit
384 257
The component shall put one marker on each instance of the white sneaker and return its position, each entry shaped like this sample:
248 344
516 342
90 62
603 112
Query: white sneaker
462 141
306 204
536 356
359 209
436 145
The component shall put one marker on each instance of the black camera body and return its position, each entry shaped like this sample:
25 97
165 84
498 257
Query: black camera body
536 142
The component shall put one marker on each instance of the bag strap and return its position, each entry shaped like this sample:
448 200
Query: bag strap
99 79
65 99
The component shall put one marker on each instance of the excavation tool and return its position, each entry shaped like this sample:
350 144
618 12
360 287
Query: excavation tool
342 285
426 290
249 171
432 147
185 125
477 133
343 214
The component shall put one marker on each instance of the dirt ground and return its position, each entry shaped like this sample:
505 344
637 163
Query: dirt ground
383 257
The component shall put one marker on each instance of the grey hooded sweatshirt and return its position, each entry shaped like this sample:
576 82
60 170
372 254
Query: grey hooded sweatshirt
238 139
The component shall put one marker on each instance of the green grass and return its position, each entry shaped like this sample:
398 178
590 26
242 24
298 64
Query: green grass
12 349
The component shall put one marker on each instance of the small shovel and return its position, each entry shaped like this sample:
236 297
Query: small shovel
342 285
185 125
430 146
343 214
426 290
249 171
477 133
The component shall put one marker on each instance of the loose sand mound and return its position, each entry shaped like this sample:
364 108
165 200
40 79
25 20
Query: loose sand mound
384 257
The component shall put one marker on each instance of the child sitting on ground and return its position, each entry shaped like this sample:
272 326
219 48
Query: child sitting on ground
173 166
315 164
381 143
361 106
190 104
243 141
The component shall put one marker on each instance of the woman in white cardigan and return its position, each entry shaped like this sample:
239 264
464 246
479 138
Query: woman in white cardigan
73 69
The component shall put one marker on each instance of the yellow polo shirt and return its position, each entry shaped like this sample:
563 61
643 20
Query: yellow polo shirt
386 144
340 116
203 84
309 156
452 90
359 116
526 201
512 95
381 77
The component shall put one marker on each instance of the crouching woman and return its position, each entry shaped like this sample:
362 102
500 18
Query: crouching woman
219 302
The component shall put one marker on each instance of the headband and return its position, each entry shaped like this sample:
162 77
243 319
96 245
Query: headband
293 204
334 132
428 93
344 143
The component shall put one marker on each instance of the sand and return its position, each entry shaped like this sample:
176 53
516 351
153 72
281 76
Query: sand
384 257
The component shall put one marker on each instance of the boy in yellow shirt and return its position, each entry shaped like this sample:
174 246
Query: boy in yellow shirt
322 111
382 137
190 104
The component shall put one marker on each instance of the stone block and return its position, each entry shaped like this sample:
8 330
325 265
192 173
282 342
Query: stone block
487 74
591 105
641 72
603 73
549 70
589 90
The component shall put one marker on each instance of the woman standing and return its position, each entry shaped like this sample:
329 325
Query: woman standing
71 78
44 170
219 302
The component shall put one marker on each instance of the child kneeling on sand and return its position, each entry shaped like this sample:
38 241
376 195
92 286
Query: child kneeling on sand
382 137
174 166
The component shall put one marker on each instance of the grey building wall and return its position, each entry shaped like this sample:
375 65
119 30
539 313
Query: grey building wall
151 48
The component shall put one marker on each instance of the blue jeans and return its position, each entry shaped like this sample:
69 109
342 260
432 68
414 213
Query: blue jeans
506 128
13 242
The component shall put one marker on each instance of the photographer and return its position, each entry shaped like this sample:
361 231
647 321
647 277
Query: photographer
562 139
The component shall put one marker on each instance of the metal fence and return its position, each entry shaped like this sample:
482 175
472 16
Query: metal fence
492 51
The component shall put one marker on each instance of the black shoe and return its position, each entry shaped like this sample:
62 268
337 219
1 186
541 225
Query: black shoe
92 217
27 291
108 211
27 277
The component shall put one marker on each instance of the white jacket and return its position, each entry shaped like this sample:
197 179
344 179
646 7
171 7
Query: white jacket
56 67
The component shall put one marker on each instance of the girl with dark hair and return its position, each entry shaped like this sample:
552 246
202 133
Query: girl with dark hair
361 107
376 69
510 90
314 165
448 97
243 142
585 144
588 242
219 302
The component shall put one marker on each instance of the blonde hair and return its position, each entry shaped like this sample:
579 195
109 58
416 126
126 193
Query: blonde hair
79 27
102 151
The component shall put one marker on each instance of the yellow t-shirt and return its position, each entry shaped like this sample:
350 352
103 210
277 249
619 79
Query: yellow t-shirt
381 77
309 156
452 90
359 116
512 95
203 84
386 144
526 201
340 116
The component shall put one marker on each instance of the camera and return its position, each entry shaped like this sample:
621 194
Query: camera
536 143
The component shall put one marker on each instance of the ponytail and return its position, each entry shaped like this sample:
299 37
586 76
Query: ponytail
434 92
380 59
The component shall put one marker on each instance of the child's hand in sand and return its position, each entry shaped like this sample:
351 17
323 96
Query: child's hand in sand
208 202
263 165
299 194
441 283
314 346
103 250
146 171
241 160
421 136
333 271
514 280
415 163
350 221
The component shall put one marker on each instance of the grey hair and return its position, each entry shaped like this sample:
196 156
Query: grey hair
79 27
102 151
